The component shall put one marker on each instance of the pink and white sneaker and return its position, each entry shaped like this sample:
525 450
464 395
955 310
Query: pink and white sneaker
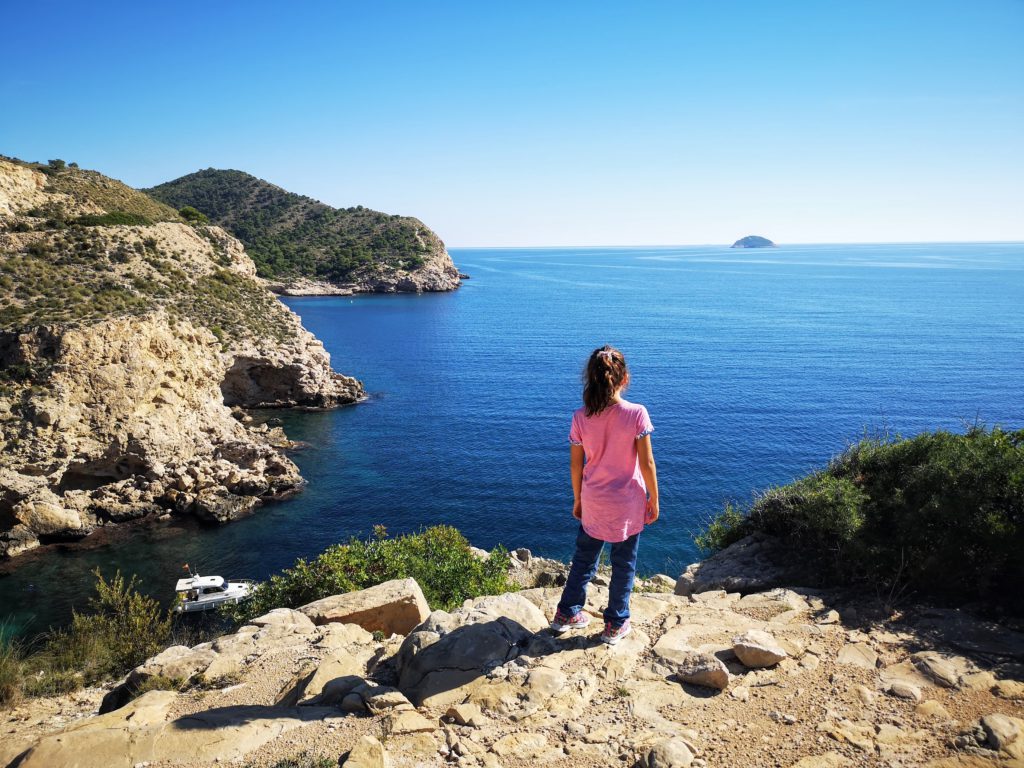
561 622
612 635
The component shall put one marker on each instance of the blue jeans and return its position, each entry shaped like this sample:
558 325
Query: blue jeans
583 568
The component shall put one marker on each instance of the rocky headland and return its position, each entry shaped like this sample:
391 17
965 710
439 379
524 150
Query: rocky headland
772 676
126 336
303 247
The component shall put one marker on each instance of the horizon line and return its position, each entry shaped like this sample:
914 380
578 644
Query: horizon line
723 245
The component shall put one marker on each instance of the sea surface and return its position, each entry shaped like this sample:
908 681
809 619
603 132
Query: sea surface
757 366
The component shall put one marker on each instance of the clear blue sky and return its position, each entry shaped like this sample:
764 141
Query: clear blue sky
555 122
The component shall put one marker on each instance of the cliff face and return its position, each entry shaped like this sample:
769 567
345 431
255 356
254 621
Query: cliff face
121 348
304 247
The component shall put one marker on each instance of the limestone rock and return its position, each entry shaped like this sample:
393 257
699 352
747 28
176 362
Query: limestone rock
123 415
1009 689
403 721
932 709
827 760
858 655
1001 730
335 677
452 650
940 670
284 617
756 649
140 733
752 564
394 607
521 745
670 753
466 714
659 582
367 753
704 669
903 690
674 645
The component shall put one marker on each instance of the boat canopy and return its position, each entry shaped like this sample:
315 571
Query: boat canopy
199 582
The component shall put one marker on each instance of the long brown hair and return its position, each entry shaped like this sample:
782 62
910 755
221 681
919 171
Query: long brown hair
605 374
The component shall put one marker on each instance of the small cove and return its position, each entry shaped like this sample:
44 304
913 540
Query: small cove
756 366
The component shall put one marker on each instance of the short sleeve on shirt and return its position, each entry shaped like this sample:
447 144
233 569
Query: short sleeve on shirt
644 426
575 433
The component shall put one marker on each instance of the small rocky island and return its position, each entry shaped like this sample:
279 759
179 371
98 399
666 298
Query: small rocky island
753 241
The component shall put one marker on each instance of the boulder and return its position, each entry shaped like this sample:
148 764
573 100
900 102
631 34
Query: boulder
404 721
940 670
1001 731
367 753
756 649
394 607
333 679
669 753
452 650
704 669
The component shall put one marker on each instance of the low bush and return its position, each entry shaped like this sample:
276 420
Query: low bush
192 216
941 514
120 630
438 558
12 670
112 219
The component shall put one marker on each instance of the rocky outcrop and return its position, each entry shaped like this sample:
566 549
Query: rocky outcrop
394 607
121 348
128 421
489 685
753 564
438 273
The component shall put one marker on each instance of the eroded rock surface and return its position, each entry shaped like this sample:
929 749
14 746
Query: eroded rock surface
489 685
113 409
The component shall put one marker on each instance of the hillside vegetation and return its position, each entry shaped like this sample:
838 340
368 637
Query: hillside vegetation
940 514
89 247
291 235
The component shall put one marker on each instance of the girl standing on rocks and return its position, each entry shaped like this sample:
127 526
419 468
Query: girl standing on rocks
615 492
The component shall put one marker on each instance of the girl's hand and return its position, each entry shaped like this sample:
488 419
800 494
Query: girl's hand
577 509
652 511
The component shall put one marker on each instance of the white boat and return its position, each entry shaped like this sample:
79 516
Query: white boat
204 593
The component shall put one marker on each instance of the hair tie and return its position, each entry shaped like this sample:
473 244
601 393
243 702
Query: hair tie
604 353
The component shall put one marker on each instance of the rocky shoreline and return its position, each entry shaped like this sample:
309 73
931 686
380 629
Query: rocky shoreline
106 418
778 677
438 274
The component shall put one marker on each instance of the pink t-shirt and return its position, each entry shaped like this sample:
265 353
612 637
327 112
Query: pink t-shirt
614 495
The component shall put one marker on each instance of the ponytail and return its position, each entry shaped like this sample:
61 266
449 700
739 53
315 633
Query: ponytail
605 374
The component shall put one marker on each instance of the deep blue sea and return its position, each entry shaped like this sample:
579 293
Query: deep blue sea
757 366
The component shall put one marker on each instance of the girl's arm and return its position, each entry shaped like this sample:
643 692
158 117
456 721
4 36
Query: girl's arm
576 472
645 454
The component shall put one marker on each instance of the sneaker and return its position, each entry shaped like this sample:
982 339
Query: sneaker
561 622
613 634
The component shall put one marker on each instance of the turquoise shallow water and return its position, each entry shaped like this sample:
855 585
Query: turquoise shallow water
756 367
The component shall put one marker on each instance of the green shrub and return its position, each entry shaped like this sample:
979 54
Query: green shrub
111 219
12 670
192 216
438 558
940 513
121 629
